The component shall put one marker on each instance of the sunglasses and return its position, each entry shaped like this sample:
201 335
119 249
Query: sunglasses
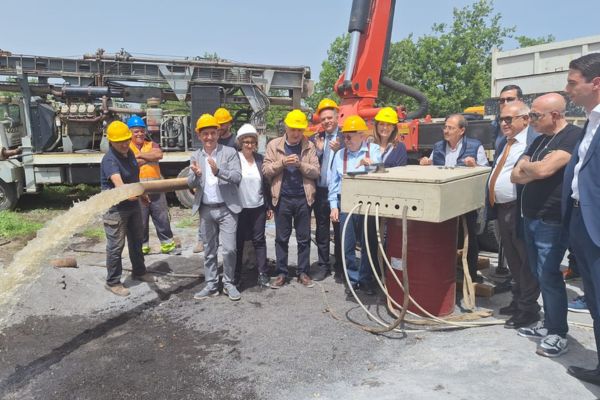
509 120
506 100
536 116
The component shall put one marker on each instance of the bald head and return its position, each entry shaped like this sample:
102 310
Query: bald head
548 113
550 102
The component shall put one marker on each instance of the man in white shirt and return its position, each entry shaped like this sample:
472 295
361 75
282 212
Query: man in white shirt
581 193
502 199
215 173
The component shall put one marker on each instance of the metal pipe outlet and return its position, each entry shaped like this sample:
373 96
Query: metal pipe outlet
164 185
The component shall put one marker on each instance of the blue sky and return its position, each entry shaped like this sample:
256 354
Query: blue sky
255 31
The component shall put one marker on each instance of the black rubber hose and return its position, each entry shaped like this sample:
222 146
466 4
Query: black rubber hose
409 91
359 15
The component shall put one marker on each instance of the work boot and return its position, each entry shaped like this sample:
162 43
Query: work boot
145 249
147 277
117 289
199 248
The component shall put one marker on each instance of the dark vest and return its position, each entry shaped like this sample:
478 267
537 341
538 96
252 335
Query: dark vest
469 149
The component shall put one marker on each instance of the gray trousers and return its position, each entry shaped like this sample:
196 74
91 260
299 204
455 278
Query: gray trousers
158 209
526 289
218 226
119 225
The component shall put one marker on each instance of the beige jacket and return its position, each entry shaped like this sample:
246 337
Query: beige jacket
273 167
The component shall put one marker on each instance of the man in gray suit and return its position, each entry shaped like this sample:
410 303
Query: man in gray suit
215 173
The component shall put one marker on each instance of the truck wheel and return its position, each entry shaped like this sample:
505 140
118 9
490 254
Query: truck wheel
8 196
185 196
488 240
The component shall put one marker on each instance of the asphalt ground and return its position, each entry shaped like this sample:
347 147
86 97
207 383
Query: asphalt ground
69 338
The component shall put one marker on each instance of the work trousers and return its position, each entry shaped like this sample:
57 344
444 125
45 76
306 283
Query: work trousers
159 211
219 226
546 245
251 226
292 212
119 225
588 263
525 289
322 232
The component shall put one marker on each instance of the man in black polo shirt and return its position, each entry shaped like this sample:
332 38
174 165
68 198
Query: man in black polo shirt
124 220
541 170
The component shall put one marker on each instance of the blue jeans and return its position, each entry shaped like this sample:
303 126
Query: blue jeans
546 244
358 273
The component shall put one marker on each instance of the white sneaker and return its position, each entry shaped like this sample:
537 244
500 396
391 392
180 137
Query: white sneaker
552 346
537 332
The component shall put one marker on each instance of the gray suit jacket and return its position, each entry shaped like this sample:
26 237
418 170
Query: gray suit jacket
230 175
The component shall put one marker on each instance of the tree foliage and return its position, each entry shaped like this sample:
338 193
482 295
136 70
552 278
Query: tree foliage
525 41
451 65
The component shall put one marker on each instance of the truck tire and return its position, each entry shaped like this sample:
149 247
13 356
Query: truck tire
488 240
185 196
8 196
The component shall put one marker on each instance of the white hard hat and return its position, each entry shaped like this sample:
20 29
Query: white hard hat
245 130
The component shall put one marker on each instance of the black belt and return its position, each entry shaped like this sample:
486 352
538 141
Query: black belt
575 203
507 205
215 205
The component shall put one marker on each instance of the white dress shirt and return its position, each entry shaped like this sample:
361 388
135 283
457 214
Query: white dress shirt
592 127
505 190
452 155
212 194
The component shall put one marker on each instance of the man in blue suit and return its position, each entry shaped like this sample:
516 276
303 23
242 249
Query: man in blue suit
581 192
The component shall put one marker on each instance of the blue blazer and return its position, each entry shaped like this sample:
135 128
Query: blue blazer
589 187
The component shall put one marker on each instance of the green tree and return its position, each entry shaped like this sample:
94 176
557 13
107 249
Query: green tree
451 65
525 41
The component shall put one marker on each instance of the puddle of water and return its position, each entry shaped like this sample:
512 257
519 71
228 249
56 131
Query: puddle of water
28 263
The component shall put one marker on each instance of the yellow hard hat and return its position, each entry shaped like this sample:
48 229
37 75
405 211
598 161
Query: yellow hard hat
325 104
206 121
222 116
296 119
354 123
387 114
118 131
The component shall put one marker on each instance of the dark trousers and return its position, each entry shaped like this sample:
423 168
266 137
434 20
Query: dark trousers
526 289
322 232
251 226
159 211
292 212
473 249
588 263
119 225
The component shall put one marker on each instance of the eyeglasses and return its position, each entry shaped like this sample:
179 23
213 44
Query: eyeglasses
449 128
503 100
509 120
249 142
536 116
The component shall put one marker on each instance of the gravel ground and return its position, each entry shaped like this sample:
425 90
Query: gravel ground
68 338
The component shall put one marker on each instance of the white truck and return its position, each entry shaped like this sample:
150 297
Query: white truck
540 69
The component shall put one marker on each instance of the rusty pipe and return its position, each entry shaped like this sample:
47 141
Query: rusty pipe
164 185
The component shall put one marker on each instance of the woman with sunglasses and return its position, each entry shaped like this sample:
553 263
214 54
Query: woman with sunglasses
255 194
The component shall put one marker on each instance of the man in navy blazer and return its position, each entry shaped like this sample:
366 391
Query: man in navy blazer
581 193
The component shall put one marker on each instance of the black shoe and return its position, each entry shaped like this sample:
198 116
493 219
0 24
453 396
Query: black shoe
320 274
586 375
338 277
368 289
521 319
510 309
264 280
354 286
502 272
